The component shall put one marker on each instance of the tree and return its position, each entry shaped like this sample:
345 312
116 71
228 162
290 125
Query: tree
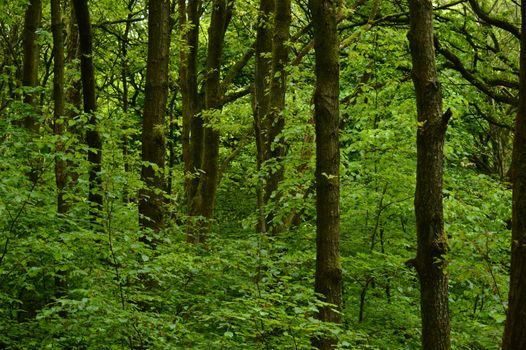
431 260
272 51
262 74
32 20
327 118
89 97
156 93
514 334
59 100
203 202
192 135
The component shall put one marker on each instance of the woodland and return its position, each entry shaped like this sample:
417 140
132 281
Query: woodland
263 174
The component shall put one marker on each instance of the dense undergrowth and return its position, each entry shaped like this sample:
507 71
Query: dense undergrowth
67 285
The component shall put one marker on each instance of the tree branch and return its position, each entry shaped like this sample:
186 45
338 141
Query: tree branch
494 21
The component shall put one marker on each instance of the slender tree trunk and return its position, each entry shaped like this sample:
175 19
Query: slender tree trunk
328 281
93 139
262 98
272 53
58 125
32 20
73 104
151 202
432 247
276 147
192 137
125 91
73 85
515 329
204 201
59 101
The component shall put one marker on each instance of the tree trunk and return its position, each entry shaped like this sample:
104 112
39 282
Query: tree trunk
192 137
515 329
32 20
151 202
125 92
276 147
432 247
93 140
262 98
203 203
73 85
270 77
328 282
59 101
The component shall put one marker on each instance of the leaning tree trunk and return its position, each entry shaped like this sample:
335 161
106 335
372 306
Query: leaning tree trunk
326 108
32 20
204 200
430 262
515 329
151 202
87 72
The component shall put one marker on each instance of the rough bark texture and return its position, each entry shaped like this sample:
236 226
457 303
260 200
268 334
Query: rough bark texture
32 20
326 104
192 137
87 72
515 329
430 261
151 201
262 80
203 202
59 101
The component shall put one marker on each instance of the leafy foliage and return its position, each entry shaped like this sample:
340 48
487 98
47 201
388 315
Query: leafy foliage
66 283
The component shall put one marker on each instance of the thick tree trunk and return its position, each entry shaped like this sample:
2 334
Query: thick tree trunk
192 137
326 108
32 20
151 202
515 329
204 201
262 98
430 261
93 140
59 101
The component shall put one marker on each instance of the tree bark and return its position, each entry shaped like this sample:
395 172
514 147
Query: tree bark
430 261
276 147
59 102
263 71
32 21
151 201
125 91
272 53
204 201
192 137
93 140
514 331
328 281
73 85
